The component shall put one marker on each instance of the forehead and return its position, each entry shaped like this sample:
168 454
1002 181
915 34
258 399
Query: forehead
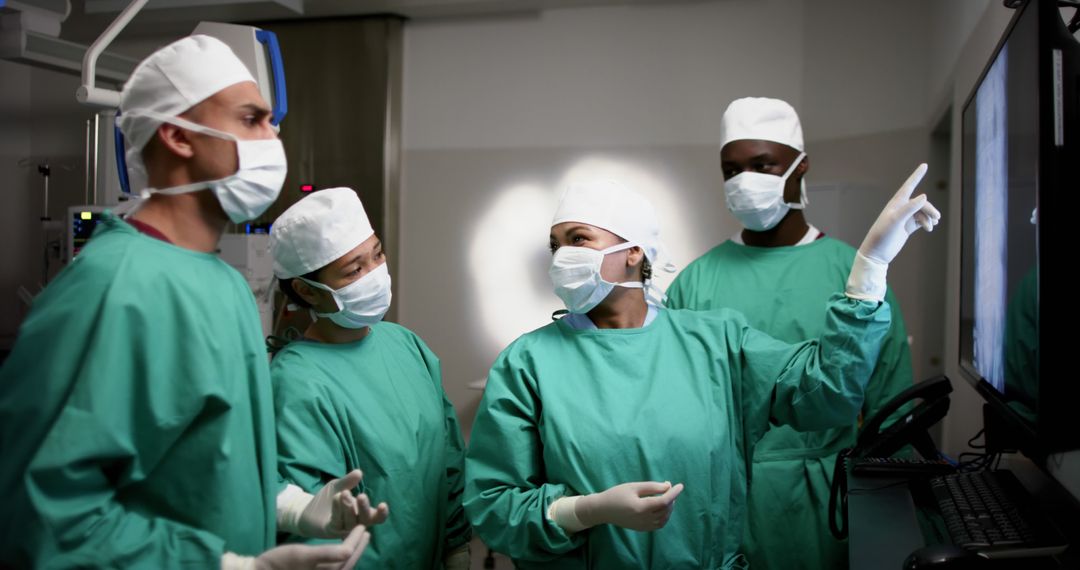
365 247
237 95
564 228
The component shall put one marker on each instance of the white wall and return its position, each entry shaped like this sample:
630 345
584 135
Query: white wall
865 67
951 25
18 218
42 122
620 75
497 112
59 134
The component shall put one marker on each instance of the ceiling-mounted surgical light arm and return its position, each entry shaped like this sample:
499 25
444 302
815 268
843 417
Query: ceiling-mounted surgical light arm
87 93
57 10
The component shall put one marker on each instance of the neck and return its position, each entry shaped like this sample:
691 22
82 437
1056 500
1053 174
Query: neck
624 308
789 231
193 221
324 330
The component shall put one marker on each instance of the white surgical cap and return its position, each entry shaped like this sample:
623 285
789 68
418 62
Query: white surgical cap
616 208
760 118
172 80
318 230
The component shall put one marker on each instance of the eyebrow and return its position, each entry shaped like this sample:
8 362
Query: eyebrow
356 260
256 109
360 256
763 157
577 227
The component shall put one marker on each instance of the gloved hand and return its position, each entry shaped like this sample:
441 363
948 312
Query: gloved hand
331 513
303 556
643 506
367 515
900 218
459 559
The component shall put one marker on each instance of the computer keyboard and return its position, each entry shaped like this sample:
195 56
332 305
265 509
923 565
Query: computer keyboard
990 512
900 467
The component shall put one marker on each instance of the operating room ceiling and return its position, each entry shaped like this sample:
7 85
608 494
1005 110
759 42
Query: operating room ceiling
89 17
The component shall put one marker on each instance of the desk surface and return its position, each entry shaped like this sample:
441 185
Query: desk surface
884 527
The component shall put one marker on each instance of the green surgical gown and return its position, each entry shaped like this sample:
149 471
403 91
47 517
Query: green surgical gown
782 291
377 405
684 399
136 421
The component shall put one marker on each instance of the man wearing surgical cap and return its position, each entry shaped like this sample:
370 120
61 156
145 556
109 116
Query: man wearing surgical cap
620 436
360 393
779 271
136 421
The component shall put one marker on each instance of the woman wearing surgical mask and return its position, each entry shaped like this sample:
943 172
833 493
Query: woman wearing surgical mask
620 435
359 393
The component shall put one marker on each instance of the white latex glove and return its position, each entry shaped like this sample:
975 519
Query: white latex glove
303 556
459 559
643 506
900 218
331 513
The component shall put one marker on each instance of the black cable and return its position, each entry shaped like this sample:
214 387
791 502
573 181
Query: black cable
972 465
275 343
978 463
838 493
971 442
981 462
858 490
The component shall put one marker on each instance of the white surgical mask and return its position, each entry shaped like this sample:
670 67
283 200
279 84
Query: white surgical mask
244 195
361 303
575 273
757 199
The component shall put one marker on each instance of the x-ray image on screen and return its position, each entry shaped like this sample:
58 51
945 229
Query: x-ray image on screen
991 211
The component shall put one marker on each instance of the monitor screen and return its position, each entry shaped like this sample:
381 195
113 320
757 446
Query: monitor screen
83 223
999 320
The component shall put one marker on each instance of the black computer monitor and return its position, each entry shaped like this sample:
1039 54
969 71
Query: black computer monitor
1020 180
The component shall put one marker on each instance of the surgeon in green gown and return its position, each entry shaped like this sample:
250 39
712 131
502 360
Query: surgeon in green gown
360 393
136 422
778 272
621 435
